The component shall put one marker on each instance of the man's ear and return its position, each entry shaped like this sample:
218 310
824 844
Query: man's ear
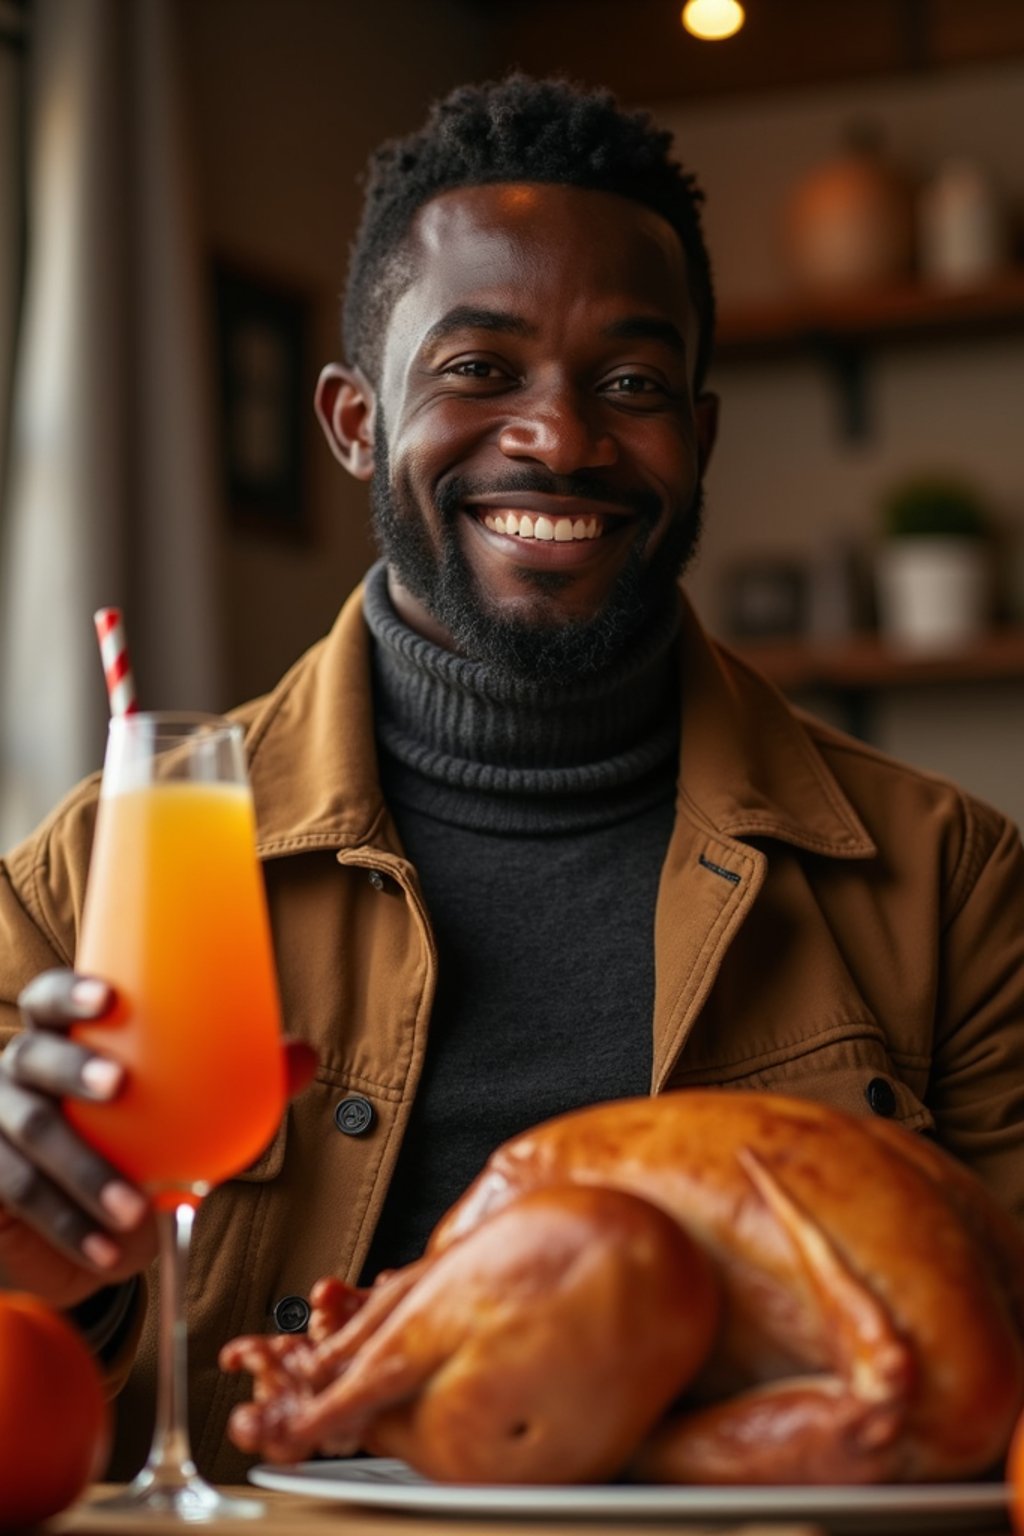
346 408
706 414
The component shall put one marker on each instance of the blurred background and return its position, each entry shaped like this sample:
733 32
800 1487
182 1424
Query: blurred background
179 182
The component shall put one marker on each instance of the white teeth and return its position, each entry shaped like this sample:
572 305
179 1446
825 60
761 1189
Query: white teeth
531 525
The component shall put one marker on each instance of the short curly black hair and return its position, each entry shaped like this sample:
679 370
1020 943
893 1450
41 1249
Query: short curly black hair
515 129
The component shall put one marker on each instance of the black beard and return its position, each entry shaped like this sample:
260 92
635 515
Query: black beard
526 648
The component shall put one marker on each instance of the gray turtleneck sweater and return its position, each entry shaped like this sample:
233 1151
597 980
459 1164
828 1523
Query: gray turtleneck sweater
537 818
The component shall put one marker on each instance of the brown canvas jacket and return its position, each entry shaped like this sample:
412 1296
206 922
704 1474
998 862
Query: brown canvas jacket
829 923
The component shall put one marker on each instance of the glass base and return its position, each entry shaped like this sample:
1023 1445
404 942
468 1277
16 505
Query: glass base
187 1498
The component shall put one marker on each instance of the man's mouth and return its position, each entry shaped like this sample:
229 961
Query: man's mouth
536 525
562 528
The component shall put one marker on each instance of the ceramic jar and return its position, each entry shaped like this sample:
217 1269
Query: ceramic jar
848 225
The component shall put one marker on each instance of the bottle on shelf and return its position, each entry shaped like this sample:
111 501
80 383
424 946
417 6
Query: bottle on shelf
961 229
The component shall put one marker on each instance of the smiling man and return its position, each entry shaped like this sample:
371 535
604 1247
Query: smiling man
531 838
535 431
528 408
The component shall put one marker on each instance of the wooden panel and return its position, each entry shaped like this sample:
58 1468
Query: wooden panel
640 49
963 32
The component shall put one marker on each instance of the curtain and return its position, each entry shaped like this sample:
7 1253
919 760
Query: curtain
111 486
12 35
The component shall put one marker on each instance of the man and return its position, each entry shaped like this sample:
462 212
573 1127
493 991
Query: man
530 838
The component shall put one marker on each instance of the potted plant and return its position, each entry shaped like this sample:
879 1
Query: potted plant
934 565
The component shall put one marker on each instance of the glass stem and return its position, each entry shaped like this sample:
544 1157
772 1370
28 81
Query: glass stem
169 1485
170 1457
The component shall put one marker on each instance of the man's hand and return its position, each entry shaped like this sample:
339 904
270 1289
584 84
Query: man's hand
69 1222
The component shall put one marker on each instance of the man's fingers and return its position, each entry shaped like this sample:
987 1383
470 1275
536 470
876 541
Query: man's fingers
58 999
38 1137
41 1205
40 1059
300 1064
60 1201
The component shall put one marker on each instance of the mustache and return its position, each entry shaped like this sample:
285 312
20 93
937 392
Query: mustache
452 493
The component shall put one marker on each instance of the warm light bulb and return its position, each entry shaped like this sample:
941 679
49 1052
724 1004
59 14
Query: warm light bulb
713 19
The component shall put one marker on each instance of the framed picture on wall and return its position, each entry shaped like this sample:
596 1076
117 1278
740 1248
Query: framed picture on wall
262 330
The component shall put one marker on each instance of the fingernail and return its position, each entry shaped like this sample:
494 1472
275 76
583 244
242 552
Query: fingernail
89 994
99 1250
123 1204
101 1077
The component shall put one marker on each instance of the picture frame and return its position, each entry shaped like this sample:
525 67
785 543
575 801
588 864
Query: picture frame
262 349
765 598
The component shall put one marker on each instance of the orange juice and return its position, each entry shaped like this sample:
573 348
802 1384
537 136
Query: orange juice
175 918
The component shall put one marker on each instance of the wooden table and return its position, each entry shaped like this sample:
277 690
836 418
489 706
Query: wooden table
291 1515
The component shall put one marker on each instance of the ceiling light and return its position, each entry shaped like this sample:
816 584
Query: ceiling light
713 20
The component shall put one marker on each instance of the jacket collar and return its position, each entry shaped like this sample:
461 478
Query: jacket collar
749 764
749 767
312 755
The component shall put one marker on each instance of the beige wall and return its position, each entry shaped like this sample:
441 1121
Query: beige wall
784 478
286 99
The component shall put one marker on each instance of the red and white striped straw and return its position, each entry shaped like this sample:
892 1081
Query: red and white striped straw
117 669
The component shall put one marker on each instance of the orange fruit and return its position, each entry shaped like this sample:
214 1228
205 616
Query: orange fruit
1015 1477
54 1422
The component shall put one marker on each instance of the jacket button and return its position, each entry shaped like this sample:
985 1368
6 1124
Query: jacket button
376 879
354 1116
291 1314
881 1097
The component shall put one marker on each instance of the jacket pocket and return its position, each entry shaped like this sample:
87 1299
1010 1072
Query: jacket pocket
850 1069
866 1088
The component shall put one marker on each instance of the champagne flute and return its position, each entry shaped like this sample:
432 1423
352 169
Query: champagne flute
175 918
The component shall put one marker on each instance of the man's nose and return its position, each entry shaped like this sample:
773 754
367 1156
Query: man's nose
561 430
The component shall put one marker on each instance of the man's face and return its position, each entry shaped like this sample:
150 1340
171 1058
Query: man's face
537 457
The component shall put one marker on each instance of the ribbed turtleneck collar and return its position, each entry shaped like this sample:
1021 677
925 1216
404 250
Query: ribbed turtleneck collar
505 754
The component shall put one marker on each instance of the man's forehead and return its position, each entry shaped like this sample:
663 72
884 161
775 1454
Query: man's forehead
469 237
520 208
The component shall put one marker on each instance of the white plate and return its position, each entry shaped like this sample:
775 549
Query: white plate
392 1485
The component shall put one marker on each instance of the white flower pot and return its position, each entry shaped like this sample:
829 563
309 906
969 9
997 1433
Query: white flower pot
933 593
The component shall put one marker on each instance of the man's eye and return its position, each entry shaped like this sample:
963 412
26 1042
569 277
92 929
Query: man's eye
471 368
632 384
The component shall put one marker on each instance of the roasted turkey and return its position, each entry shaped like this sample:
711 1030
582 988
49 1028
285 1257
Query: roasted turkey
705 1287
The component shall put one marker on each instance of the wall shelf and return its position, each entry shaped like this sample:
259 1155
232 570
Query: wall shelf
855 669
911 312
841 331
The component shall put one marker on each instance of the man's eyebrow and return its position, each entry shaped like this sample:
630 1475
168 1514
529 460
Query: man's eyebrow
464 317
648 328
